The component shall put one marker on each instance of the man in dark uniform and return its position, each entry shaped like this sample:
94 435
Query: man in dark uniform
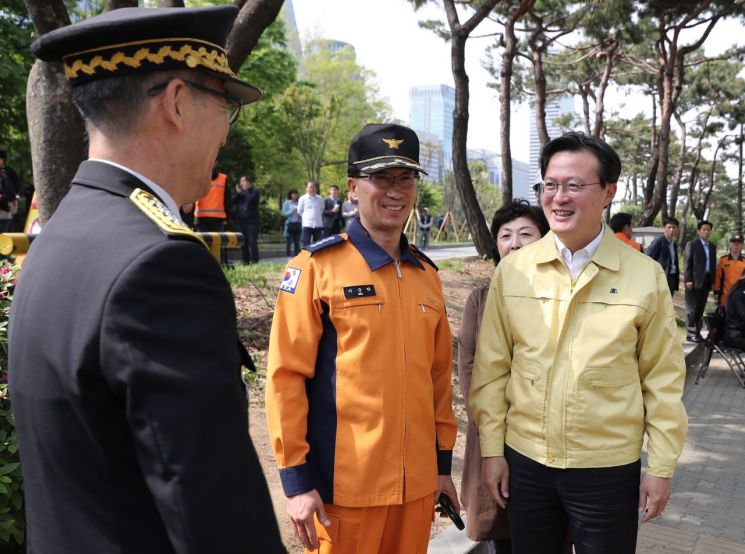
700 263
664 249
130 410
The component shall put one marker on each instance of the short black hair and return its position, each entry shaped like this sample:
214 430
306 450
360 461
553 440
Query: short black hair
290 192
670 221
3 154
609 164
702 223
619 221
116 104
514 209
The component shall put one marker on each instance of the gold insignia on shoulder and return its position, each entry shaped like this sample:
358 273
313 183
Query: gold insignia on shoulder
393 143
159 213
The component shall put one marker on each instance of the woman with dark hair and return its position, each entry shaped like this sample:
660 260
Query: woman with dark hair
515 225
293 223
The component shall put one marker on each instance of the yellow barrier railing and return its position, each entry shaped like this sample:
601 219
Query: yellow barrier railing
18 243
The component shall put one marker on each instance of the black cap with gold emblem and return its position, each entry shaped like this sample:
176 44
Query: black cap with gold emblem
130 41
379 146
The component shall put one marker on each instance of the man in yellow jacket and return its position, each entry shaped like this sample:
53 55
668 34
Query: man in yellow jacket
358 394
578 359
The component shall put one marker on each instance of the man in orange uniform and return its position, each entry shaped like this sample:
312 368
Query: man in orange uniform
358 391
620 224
729 269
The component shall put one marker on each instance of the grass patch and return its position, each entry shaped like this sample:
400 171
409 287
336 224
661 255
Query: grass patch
262 274
455 265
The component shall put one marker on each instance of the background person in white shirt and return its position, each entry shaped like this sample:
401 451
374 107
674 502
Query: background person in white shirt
310 208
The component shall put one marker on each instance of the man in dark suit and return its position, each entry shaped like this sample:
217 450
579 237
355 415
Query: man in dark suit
664 249
131 414
700 262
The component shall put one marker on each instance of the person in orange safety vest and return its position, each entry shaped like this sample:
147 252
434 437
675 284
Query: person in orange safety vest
211 212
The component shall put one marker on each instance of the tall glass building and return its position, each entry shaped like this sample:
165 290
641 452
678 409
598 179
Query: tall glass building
431 111
555 107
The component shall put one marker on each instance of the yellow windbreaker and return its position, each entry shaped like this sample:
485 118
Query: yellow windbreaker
573 375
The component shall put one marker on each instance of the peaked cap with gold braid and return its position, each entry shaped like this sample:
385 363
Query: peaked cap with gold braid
379 146
131 41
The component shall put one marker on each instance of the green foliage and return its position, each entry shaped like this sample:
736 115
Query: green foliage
12 523
258 275
338 75
309 120
456 265
16 60
255 148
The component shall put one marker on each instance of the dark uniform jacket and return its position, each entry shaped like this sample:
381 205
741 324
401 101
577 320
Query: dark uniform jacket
660 251
734 326
694 258
130 410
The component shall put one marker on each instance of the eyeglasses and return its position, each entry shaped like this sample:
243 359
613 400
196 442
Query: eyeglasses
570 189
385 181
232 104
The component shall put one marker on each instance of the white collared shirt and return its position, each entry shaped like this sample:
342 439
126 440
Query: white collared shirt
576 262
157 189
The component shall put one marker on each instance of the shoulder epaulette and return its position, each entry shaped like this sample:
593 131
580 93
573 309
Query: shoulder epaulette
159 213
325 243
423 256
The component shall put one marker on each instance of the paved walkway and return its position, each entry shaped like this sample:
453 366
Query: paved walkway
706 513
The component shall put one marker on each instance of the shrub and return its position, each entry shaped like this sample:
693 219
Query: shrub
12 523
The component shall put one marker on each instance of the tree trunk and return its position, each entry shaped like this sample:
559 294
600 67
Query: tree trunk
672 75
482 238
56 155
739 185
675 188
505 92
610 58
116 4
683 225
254 17
540 98
585 108
476 222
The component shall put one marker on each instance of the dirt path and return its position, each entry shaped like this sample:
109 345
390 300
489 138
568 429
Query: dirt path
458 279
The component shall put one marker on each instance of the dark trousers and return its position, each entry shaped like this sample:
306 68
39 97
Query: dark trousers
213 225
250 248
293 238
695 304
311 235
673 282
598 505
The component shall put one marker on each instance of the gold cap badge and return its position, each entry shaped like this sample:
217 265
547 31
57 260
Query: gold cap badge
393 143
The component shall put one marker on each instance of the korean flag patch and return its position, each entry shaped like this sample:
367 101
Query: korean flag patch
290 279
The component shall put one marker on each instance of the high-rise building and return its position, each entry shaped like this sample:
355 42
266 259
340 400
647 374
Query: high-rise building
431 111
333 46
291 31
431 156
555 107
493 162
